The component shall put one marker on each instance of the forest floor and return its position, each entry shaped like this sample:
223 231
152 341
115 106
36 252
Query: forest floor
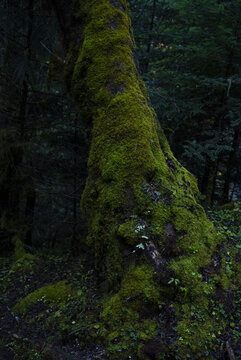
48 330
55 327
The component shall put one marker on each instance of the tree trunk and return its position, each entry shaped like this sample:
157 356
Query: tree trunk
150 38
147 229
230 165
29 214
74 245
209 180
136 190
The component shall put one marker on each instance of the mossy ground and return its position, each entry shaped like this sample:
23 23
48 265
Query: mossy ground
53 294
49 309
57 306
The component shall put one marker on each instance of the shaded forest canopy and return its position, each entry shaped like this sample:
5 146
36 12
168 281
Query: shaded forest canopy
106 249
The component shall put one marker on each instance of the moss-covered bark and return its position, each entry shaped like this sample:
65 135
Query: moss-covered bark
151 238
136 191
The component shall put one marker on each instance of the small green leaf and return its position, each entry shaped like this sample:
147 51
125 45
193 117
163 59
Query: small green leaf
79 292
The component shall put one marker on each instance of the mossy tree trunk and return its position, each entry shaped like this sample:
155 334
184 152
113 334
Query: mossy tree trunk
136 190
151 237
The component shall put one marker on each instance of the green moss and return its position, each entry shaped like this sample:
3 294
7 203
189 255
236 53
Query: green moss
230 272
125 341
122 313
53 294
227 206
26 262
137 288
197 331
131 231
23 261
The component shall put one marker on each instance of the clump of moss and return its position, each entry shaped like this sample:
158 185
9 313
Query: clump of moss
26 262
52 294
137 289
123 317
23 261
197 331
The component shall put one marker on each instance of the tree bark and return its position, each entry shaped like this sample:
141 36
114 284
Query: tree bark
74 245
29 214
209 180
230 164
150 37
